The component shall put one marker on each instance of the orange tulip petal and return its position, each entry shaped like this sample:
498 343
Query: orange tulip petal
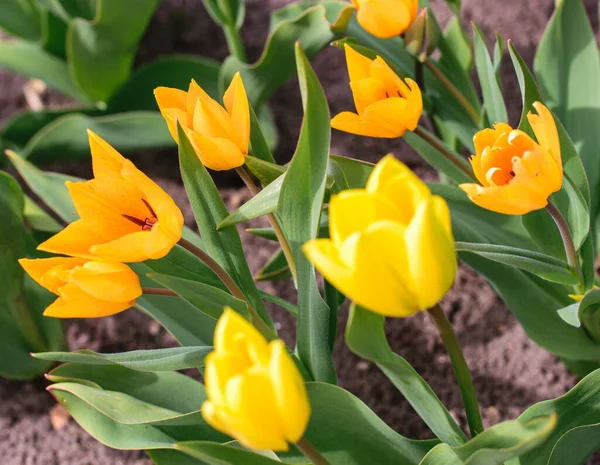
355 124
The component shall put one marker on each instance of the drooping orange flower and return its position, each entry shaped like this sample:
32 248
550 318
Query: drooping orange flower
85 288
516 172
220 136
386 106
124 216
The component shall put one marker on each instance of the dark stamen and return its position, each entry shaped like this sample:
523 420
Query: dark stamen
134 220
512 173
149 208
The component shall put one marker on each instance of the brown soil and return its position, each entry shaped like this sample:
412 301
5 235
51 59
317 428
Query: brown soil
510 372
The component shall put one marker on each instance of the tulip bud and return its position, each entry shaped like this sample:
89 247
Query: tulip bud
421 38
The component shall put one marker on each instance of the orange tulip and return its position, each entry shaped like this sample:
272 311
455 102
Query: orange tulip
386 18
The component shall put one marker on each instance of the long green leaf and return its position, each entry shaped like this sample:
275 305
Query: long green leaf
22 18
221 454
365 336
299 208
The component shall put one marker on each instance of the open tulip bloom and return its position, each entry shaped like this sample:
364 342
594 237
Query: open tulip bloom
386 18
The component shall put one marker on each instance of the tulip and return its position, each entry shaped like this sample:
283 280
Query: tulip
124 216
85 288
386 18
220 136
516 172
391 248
386 106
255 392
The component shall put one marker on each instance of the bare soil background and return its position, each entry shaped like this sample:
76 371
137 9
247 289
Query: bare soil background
510 372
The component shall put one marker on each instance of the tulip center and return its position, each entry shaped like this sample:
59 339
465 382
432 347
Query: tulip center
147 223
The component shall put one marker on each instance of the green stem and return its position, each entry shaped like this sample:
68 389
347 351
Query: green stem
440 147
458 95
311 452
461 370
567 238
235 43
29 328
158 291
283 242
230 284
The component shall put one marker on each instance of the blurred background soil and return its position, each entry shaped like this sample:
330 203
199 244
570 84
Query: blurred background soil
510 372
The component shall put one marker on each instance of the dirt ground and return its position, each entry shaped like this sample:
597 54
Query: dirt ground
510 372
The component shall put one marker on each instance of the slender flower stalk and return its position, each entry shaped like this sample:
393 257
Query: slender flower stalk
567 238
158 291
235 43
231 285
471 110
310 452
459 364
283 242
440 147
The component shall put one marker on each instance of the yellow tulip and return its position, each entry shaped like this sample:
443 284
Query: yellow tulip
516 172
220 136
124 216
255 392
85 288
391 248
385 105
386 18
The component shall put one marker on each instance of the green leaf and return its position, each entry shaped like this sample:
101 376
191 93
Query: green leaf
207 299
263 203
226 12
66 138
221 454
493 99
356 172
171 457
276 65
458 41
172 359
222 245
275 269
570 314
32 61
365 336
22 18
291 308
299 208
575 437
265 171
100 53
12 237
542 265
566 64
137 94
363 435
495 445
259 143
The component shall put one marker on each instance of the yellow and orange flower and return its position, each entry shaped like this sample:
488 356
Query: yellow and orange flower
124 216
386 106
516 172
85 288
220 136
386 18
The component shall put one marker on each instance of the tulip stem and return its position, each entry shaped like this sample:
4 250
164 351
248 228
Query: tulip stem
235 43
158 291
283 242
567 238
440 147
311 452
461 369
230 284
458 95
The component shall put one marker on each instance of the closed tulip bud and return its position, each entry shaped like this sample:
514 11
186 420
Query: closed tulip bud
517 173
386 106
255 392
421 38
386 18
391 248
220 136
85 288
124 216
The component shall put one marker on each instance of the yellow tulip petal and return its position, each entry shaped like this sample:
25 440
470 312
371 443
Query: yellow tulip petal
234 333
431 253
38 270
510 199
75 303
76 240
236 102
217 153
389 114
544 128
168 98
326 258
172 117
109 281
354 124
384 18
358 65
365 92
210 119
344 216
290 393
